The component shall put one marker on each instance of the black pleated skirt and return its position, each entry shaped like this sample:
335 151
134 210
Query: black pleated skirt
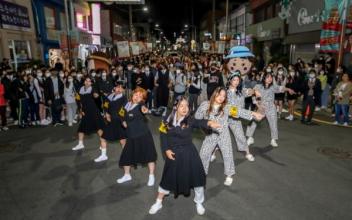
184 173
138 150
113 131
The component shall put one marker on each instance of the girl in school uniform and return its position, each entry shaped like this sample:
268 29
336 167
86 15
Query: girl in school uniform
91 119
219 110
183 169
113 130
139 148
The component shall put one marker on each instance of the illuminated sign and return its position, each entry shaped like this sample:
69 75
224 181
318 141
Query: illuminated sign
127 2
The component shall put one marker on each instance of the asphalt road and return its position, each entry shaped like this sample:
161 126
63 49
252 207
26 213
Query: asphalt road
308 177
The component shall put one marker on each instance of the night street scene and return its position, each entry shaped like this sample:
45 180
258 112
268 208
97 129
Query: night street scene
187 109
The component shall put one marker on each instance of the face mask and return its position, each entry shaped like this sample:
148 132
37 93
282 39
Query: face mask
200 67
104 74
146 70
311 76
10 77
135 70
39 74
70 80
62 75
94 74
292 74
315 66
321 73
79 76
114 73
171 65
178 71
280 72
129 68
163 71
47 74
339 70
268 70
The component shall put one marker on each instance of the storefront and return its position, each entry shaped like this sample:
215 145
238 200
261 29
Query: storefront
17 33
51 21
304 26
267 38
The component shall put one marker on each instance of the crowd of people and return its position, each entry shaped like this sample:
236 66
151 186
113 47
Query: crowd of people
191 91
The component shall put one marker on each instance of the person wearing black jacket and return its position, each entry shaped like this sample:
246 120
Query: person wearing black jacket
22 92
213 80
149 86
54 97
10 94
311 90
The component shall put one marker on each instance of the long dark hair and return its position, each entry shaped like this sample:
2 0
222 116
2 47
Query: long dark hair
239 88
216 93
265 75
169 121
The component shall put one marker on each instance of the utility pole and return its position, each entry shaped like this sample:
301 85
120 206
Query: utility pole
68 34
213 22
226 19
131 22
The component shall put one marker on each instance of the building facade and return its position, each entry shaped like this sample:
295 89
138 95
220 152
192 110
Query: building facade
17 33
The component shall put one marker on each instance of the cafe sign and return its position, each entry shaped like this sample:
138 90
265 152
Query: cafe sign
303 18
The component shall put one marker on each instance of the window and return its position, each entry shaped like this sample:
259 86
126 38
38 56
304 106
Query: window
259 15
20 52
49 18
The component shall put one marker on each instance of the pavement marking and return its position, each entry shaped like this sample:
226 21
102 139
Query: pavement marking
324 122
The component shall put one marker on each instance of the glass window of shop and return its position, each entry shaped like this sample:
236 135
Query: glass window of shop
50 18
20 52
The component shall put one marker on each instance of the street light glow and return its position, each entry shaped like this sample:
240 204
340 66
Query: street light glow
186 25
145 8
156 25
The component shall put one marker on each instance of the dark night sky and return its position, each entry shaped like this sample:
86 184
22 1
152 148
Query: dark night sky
172 15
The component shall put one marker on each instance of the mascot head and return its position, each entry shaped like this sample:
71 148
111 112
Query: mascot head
239 60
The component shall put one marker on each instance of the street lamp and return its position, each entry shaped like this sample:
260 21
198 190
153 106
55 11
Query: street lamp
186 25
145 9
157 25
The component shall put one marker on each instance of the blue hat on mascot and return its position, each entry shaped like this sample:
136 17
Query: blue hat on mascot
239 51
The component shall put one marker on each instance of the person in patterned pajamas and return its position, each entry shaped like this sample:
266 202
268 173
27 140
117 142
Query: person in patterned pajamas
218 110
265 93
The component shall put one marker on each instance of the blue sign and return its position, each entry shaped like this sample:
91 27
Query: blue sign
13 16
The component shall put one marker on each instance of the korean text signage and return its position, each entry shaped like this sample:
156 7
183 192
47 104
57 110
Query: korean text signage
14 16
305 16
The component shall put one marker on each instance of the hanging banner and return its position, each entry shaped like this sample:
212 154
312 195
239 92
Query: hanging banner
142 47
123 49
206 46
149 47
335 12
135 48
220 45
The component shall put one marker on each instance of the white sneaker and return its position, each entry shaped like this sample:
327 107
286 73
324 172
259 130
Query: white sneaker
70 124
74 122
101 158
15 122
273 143
250 157
200 209
151 180
155 207
291 118
250 141
212 158
78 147
336 122
345 124
125 178
317 109
228 181
5 128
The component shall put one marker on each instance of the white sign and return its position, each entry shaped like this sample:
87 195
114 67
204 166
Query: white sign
135 48
221 46
304 19
123 48
206 46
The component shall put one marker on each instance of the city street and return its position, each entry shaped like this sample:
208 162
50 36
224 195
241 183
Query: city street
42 178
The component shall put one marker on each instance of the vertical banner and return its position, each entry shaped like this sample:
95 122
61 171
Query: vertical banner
135 48
335 12
123 48
206 47
149 47
220 45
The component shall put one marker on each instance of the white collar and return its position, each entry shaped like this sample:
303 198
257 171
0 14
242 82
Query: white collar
84 91
177 123
112 98
129 106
